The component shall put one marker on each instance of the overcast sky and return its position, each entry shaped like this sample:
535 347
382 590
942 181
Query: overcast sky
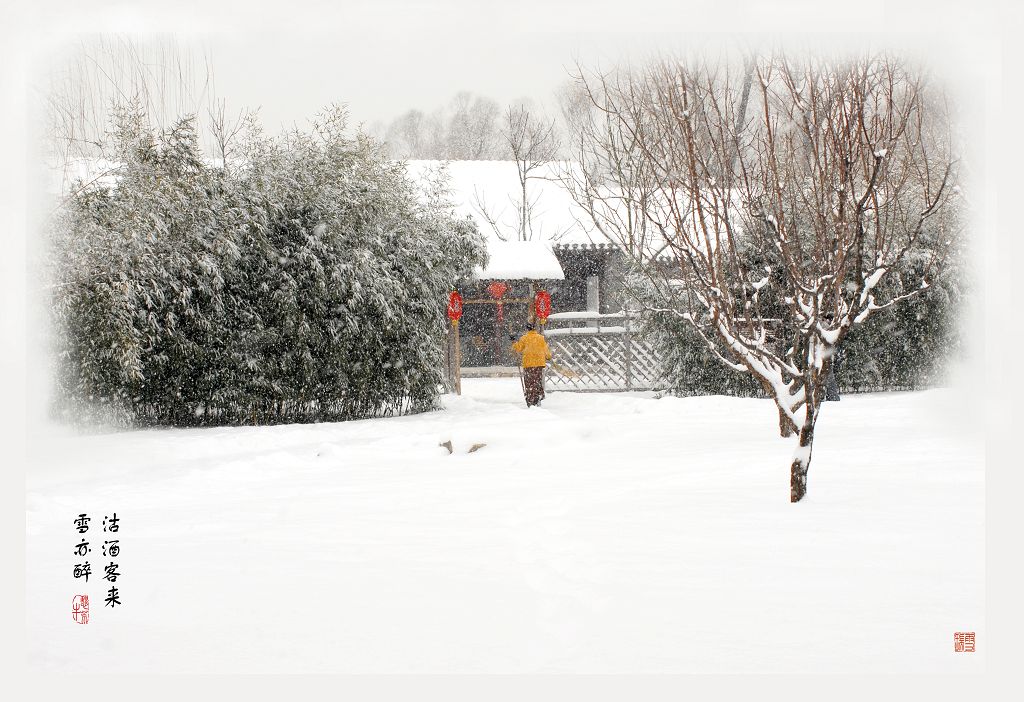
382 58
381 74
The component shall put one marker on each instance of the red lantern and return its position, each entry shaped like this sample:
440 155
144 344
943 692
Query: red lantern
497 289
542 305
454 307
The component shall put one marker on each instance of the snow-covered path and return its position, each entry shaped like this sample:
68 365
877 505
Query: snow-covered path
599 533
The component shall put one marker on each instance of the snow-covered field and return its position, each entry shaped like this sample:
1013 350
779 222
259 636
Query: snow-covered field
599 533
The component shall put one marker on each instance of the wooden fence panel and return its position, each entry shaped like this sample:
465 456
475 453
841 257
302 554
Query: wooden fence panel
602 362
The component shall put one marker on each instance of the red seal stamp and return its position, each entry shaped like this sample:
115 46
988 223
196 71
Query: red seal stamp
963 642
80 609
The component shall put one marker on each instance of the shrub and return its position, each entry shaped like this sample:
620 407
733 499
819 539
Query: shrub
305 281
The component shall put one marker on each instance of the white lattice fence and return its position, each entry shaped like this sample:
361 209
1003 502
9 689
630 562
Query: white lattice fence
602 361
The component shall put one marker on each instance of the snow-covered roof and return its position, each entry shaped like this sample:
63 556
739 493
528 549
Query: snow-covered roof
520 260
490 192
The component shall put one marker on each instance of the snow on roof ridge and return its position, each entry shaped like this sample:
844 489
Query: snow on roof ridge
520 260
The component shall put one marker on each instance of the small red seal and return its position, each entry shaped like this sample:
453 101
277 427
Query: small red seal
80 609
963 641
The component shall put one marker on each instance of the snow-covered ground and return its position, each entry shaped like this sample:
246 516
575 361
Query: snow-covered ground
599 533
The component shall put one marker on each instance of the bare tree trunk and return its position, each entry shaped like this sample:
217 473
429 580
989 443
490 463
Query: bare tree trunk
802 457
785 425
523 215
741 116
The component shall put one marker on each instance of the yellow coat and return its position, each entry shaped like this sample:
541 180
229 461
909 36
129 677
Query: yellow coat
534 349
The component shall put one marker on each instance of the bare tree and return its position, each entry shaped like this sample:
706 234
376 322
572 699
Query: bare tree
225 130
407 135
472 128
532 144
833 170
604 173
162 76
466 129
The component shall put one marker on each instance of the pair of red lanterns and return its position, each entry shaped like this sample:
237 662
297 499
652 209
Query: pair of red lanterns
541 303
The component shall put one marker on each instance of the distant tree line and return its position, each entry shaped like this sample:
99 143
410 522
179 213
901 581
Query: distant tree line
303 280
471 127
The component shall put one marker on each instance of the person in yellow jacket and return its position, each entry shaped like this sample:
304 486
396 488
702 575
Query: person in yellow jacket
535 352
